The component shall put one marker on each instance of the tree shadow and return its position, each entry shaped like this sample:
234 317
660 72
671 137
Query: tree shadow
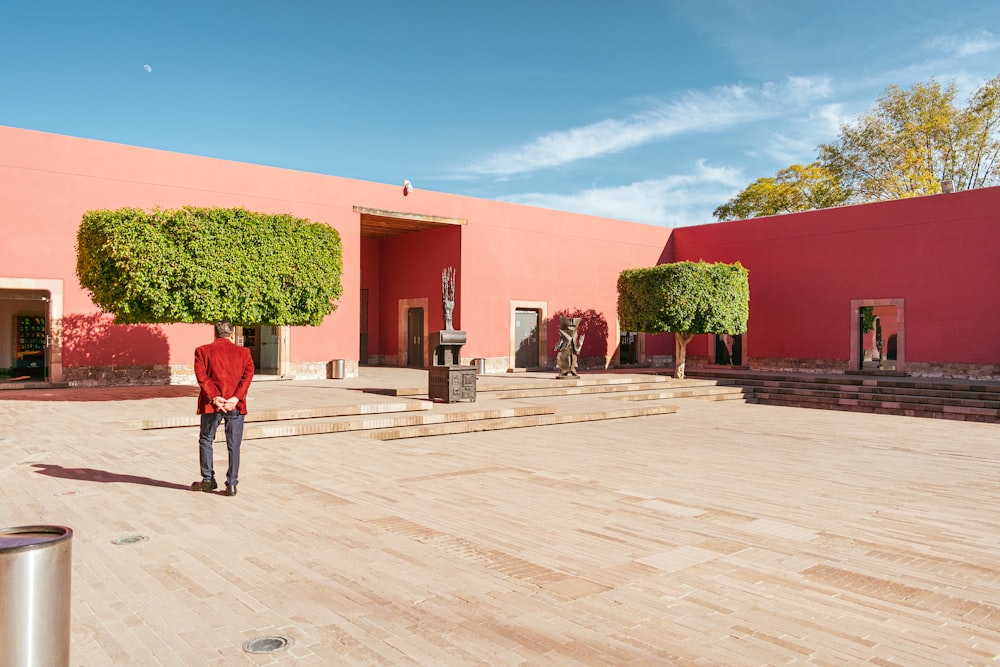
527 354
102 476
592 325
95 340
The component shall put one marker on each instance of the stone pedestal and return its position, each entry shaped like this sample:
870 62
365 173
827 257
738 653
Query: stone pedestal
451 384
446 345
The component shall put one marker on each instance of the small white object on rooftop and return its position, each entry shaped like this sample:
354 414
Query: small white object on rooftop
407 188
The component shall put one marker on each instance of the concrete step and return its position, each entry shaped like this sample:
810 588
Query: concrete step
349 410
473 426
457 419
886 408
491 386
909 396
560 388
412 417
918 397
984 394
713 392
875 382
26 383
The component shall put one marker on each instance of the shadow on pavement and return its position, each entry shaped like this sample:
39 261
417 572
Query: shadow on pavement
103 476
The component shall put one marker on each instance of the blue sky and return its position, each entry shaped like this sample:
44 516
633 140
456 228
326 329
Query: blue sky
643 110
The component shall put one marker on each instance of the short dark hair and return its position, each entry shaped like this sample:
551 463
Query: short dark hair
223 329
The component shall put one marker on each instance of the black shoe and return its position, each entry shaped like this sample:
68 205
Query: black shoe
206 485
230 490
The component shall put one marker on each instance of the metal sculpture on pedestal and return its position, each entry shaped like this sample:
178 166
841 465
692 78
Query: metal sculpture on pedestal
448 296
568 348
447 380
447 342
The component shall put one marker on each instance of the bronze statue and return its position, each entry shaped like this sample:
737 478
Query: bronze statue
568 347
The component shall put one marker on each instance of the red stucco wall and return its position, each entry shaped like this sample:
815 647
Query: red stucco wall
51 180
505 252
940 253
570 262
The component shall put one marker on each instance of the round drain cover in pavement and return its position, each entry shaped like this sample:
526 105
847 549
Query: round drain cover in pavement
130 539
267 644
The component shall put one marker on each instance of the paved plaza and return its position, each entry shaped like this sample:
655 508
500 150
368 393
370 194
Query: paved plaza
723 534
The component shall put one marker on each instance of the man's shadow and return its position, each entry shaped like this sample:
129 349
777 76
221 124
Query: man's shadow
92 475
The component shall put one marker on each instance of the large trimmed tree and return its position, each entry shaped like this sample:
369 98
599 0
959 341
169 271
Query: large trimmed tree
209 264
684 298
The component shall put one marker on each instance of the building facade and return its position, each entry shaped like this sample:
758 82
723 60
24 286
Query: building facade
926 269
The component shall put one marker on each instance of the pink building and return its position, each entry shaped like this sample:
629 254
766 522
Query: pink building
929 266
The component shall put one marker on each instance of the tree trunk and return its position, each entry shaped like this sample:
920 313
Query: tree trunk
681 341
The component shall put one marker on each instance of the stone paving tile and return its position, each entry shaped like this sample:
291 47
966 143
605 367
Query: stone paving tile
723 534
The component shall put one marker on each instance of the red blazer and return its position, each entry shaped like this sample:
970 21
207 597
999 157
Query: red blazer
224 369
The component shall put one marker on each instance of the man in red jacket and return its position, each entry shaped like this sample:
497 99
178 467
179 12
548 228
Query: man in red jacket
224 371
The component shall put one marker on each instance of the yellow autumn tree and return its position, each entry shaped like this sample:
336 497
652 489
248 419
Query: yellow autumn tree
907 145
912 140
793 189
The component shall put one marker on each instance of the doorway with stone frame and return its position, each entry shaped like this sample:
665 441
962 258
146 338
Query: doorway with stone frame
528 334
870 350
412 333
31 312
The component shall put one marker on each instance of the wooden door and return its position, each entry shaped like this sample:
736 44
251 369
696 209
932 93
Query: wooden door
415 337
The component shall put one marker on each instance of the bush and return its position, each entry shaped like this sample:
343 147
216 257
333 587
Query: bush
209 264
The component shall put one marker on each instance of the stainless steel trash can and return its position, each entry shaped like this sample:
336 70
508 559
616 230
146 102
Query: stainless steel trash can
480 366
338 369
35 573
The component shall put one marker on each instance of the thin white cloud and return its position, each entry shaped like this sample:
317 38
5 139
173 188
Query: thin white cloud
961 47
674 201
694 111
797 140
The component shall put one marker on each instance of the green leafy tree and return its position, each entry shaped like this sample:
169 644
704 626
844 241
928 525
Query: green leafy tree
793 189
912 140
684 298
209 264
867 318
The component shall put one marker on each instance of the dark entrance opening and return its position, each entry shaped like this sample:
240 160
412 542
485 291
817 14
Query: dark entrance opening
628 348
729 350
363 347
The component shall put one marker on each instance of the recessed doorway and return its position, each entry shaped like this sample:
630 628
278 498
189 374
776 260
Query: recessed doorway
878 343
31 329
415 337
525 338
265 344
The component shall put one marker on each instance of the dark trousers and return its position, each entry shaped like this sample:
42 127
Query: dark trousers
234 437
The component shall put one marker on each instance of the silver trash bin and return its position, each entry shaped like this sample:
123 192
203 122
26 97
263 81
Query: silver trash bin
480 366
337 369
35 573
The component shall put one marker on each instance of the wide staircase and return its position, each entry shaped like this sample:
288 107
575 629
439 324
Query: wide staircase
396 412
965 400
